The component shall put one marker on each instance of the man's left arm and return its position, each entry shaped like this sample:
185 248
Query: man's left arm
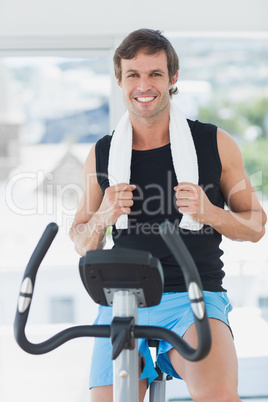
245 219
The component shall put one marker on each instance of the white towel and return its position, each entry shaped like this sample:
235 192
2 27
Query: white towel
182 150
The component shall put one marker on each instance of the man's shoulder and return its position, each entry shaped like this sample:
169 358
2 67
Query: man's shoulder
104 141
103 145
102 149
197 126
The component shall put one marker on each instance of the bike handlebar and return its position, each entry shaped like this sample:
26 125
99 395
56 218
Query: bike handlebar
195 293
193 284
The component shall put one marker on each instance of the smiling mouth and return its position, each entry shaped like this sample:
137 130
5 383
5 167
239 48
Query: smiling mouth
145 99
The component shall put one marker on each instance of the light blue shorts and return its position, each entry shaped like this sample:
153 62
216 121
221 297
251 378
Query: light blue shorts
173 312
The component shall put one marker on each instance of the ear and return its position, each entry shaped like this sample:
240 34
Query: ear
118 82
174 79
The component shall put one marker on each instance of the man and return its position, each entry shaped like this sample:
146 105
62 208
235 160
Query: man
146 68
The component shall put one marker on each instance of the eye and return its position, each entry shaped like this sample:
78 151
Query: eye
132 75
156 75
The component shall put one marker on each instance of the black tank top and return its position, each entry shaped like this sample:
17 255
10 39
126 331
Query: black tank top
154 202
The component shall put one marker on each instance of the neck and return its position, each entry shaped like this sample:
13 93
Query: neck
150 133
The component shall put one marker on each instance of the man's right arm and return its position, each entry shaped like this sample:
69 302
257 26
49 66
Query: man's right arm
86 231
95 212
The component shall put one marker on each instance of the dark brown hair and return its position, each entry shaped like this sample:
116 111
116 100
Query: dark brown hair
151 42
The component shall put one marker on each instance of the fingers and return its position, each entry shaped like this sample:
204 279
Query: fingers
121 193
124 196
185 189
187 197
123 187
191 199
118 200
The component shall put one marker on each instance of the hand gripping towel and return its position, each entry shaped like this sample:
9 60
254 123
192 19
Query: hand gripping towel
183 153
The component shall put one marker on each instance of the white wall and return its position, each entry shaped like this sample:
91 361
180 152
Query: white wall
106 17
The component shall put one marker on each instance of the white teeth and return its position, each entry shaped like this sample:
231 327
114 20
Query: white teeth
147 99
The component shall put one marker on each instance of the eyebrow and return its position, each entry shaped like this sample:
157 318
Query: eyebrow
157 70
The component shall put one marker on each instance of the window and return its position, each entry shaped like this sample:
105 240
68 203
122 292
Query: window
53 109
56 99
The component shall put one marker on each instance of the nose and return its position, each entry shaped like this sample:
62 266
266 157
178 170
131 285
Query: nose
144 84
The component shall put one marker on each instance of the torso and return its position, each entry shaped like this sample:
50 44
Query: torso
154 202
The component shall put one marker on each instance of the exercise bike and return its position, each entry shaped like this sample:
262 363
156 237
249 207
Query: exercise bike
126 280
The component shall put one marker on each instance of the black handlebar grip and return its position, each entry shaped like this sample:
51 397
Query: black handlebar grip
188 267
27 286
194 289
180 252
24 303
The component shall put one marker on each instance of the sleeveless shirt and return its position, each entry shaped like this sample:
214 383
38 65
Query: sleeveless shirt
154 202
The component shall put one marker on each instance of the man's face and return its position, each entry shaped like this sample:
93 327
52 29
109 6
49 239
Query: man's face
145 84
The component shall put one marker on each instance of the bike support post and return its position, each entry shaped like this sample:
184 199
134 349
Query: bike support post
125 366
157 391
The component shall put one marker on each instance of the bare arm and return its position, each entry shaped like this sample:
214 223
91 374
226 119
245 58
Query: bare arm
245 219
95 212
86 231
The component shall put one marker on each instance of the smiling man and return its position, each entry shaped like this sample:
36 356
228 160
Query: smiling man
146 69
